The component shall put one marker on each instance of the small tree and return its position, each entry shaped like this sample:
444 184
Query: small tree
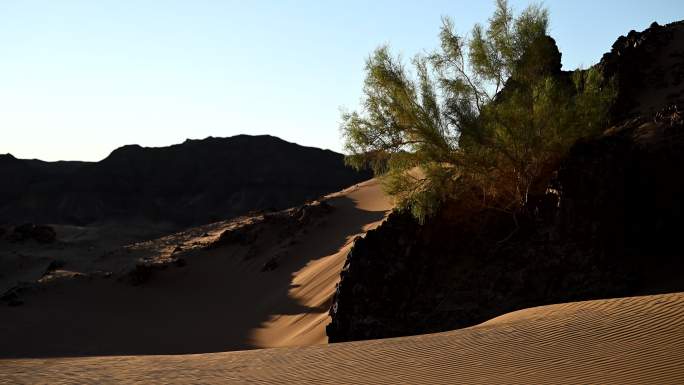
488 116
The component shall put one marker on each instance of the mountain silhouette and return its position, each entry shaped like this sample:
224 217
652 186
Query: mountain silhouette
198 181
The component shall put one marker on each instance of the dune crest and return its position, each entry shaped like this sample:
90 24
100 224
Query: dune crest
265 280
314 284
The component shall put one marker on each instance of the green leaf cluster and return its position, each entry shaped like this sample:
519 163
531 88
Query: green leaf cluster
485 118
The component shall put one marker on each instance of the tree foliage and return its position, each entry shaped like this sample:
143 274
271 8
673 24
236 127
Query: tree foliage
488 115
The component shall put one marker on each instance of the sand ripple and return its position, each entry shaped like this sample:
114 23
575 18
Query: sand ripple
627 340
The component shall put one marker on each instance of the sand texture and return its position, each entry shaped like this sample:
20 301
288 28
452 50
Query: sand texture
628 340
182 324
223 298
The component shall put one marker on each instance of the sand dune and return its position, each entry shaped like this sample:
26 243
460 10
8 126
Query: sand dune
627 340
221 300
314 284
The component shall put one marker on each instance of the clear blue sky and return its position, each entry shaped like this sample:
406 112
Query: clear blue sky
80 78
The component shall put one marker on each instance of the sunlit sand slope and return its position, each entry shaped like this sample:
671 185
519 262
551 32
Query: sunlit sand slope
629 340
224 298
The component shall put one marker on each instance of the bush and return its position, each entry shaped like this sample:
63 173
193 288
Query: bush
486 118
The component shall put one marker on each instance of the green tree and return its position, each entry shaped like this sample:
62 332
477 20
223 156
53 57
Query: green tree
485 119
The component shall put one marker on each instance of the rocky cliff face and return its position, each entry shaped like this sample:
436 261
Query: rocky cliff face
608 226
195 182
648 67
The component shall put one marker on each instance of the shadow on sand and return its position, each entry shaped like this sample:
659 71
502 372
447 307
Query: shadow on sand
213 304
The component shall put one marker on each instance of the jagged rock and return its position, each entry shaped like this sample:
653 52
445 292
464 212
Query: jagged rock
305 214
643 64
238 236
283 223
145 268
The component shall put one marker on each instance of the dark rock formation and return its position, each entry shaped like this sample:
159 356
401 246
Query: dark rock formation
54 265
239 236
283 223
145 269
30 231
608 226
648 67
196 182
615 232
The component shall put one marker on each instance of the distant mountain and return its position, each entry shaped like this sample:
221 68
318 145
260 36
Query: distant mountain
195 182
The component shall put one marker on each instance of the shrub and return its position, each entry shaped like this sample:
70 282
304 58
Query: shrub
485 118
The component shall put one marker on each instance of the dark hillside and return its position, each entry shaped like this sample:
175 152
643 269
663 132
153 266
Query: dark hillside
195 182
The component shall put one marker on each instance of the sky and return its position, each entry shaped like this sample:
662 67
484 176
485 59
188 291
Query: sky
81 78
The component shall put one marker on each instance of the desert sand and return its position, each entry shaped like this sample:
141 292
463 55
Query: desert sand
90 329
220 300
627 340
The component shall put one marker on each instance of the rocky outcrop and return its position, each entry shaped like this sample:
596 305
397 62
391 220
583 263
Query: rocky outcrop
30 231
608 226
273 227
648 68
196 182
613 232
